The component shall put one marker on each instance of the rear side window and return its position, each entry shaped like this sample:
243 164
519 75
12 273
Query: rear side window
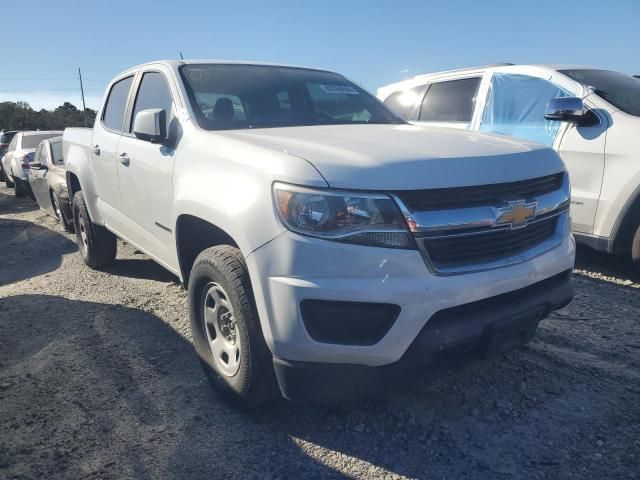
113 115
403 102
153 93
451 101
56 152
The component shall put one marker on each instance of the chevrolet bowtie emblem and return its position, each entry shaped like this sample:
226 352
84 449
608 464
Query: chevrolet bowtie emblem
516 214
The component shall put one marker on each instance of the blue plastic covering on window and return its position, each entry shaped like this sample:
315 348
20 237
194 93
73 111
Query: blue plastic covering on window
516 107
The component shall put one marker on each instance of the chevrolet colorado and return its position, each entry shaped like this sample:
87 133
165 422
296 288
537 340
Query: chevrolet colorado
326 244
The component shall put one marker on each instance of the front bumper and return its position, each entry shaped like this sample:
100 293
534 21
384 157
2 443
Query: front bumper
478 329
291 268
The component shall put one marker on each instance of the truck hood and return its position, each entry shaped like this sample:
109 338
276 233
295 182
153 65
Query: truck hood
406 157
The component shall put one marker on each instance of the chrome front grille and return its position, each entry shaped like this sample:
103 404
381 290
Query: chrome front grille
460 230
489 245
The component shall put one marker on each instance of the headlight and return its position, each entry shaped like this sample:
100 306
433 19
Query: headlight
352 217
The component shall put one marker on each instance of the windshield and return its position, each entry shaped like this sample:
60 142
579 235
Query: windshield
620 90
251 96
32 141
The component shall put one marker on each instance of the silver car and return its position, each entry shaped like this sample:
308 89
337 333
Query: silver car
47 179
20 153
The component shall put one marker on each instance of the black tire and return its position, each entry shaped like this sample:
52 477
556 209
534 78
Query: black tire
1 173
96 244
253 382
19 190
7 181
635 251
67 224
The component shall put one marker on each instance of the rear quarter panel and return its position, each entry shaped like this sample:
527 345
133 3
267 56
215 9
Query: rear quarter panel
78 155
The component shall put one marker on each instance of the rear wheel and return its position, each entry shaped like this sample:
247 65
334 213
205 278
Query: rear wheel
7 180
226 329
1 173
97 245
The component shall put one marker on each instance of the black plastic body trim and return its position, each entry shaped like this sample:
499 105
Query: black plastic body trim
478 329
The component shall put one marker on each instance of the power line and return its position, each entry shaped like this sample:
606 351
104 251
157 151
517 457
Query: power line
49 80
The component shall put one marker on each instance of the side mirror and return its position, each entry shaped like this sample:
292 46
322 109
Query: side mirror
566 109
151 125
37 166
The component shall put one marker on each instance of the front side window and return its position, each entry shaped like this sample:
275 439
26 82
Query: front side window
620 90
256 96
153 93
451 101
113 115
516 108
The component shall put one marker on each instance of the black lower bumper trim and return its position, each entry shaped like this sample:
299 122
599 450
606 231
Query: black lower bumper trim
478 329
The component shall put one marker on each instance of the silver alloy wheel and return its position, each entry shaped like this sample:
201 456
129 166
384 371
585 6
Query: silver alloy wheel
222 334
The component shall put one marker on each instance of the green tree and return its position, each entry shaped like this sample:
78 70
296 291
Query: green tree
20 116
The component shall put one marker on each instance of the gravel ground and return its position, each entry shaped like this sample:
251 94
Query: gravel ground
98 379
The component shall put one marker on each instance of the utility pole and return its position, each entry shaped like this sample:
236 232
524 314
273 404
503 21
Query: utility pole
84 107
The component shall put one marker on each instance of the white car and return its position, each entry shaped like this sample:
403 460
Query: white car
590 117
15 162
325 243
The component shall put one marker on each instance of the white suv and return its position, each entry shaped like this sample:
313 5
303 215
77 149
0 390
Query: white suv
590 117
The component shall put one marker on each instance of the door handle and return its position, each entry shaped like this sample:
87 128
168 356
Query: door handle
96 149
124 159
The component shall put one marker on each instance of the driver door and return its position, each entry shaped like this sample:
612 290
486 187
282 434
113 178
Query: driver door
145 172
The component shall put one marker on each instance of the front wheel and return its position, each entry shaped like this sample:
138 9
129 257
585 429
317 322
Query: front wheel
67 224
226 329
97 245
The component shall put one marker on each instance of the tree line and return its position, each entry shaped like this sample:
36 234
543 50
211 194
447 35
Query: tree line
20 116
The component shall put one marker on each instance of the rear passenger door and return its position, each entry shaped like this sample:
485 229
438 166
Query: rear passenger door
145 170
106 135
449 103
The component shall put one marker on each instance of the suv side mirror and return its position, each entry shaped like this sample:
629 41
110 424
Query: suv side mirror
37 166
566 109
151 125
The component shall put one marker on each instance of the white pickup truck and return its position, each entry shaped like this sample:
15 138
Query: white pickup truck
326 244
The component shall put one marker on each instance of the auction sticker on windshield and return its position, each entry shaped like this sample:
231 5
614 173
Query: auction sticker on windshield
341 89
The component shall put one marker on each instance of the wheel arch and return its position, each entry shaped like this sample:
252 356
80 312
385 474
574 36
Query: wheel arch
627 222
193 235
